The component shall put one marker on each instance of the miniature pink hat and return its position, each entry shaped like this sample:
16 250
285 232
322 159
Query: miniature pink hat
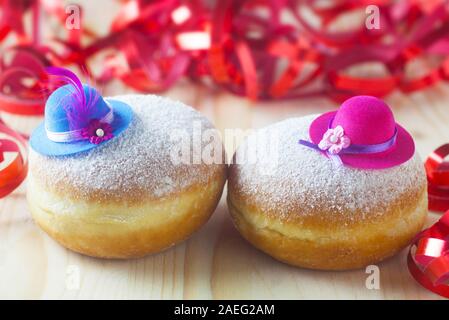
361 134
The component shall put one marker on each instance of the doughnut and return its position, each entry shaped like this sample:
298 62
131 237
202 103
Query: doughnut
130 196
302 208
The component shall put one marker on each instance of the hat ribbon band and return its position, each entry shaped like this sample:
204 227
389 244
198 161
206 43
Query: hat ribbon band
356 148
75 135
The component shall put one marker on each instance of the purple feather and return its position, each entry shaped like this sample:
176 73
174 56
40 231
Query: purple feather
78 106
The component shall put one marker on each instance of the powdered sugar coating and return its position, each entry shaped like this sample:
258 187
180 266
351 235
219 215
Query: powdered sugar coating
136 163
294 176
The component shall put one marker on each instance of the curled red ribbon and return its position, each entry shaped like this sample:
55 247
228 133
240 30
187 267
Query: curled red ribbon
260 56
428 258
438 179
14 172
21 81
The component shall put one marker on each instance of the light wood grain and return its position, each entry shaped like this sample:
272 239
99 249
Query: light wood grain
215 263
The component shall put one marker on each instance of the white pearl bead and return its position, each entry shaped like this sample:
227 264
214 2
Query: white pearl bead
99 133
333 139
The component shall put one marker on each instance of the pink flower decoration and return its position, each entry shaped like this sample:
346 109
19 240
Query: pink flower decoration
334 140
97 131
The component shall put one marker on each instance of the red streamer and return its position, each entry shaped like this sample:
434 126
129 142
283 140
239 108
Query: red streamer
12 175
428 258
438 179
245 47
21 89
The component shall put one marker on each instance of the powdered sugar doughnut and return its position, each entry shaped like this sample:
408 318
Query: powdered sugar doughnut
301 208
130 196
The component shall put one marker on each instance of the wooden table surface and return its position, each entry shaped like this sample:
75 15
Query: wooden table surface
216 262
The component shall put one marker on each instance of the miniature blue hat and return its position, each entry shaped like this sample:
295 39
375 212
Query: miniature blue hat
77 118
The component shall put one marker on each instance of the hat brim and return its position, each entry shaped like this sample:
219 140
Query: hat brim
403 149
41 144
